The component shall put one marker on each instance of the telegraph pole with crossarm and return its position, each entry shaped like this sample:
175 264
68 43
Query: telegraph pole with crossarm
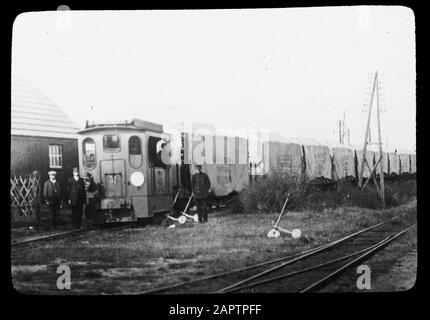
381 188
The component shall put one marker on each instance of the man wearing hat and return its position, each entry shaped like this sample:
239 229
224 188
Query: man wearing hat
201 186
77 196
52 196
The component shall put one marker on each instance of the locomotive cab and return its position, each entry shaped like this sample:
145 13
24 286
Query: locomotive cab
124 159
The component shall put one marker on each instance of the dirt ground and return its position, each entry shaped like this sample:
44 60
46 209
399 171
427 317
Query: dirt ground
401 270
401 276
392 269
136 259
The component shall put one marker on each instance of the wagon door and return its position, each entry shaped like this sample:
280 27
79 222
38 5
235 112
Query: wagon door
113 175
158 169
159 195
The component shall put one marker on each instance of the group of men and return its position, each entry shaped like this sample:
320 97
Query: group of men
75 195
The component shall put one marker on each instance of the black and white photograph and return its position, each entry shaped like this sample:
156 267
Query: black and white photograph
213 151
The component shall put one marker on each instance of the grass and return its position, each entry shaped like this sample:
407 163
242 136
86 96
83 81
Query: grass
139 259
269 194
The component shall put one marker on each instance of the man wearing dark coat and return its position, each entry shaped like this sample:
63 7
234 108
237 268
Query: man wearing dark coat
37 193
77 196
93 197
201 186
52 196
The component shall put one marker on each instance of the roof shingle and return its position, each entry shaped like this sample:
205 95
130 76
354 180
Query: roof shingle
34 114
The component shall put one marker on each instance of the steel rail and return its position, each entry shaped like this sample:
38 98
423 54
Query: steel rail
181 284
218 275
60 234
258 275
291 274
358 259
47 236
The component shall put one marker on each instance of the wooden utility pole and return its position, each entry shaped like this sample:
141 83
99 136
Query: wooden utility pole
367 141
342 129
366 134
381 163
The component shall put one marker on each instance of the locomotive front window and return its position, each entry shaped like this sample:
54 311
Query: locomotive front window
111 143
89 153
135 152
134 145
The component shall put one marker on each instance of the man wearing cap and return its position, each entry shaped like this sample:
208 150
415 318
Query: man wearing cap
52 196
201 186
77 196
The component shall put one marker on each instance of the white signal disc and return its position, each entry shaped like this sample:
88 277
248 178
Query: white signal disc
137 178
273 233
296 233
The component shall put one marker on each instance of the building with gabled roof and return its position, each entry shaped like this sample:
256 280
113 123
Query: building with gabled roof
43 137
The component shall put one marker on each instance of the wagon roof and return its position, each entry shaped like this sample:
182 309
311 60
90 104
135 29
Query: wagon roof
134 124
34 114
403 151
306 141
337 145
278 137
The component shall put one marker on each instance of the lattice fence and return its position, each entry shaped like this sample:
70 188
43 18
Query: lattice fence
24 196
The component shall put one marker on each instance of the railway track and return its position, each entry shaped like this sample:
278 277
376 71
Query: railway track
365 253
19 245
51 236
301 272
313 275
71 235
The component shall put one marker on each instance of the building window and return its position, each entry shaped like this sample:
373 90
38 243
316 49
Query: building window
55 156
89 153
111 143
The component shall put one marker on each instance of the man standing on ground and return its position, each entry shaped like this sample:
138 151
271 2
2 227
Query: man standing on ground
37 193
77 197
201 186
52 196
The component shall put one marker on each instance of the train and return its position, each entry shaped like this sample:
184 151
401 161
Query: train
143 171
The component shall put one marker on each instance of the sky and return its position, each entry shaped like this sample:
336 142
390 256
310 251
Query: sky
293 71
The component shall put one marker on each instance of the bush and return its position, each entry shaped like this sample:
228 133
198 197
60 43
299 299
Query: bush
236 205
269 193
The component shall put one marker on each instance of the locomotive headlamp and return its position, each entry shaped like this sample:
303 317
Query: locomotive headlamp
137 179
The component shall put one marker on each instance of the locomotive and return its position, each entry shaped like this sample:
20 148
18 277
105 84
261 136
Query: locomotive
133 181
